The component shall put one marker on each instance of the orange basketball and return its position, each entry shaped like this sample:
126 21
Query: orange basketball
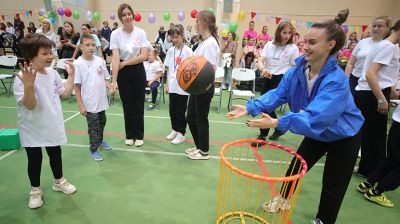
195 75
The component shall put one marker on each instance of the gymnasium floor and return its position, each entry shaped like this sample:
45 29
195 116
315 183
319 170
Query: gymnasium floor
155 183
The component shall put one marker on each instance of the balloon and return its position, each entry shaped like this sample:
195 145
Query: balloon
193 14
167 16
241 16
225 38
96 16
237 38
41 18
210 9
53 20
345 28
152 18
60 11
68 12
89 15
42 12
52 15
137 17
75 14
225 32
112 16
233 27
181 16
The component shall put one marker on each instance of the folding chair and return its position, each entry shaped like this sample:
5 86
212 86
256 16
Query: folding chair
242 74
218 90
8 61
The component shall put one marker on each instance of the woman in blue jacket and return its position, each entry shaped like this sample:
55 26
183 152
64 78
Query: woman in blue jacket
322 109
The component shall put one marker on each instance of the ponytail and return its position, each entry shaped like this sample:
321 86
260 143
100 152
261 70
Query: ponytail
209 18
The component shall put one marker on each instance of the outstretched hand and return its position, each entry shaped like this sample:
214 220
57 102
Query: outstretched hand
238 111
265 122
28 73
69 66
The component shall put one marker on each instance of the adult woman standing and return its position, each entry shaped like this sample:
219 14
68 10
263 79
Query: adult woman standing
129 50
229 48
276 59
46 31
372 96
355 65
322 109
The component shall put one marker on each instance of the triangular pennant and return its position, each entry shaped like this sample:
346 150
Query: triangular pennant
267 19
298 24
364 27
253 14
293 22
30 12
17 15
2 16
277 20
308 24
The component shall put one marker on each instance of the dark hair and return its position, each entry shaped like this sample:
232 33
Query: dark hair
177 29
278 31
31 43
86 36
105 22
209 18
64 33
233 35
32 24
394 28
333 29
115 24
121 8
251 22
87 26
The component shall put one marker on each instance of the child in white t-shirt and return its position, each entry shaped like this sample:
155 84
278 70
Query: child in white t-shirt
40 118
177 97
91 80
153 74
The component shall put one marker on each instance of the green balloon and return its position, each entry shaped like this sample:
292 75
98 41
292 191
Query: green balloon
75 14
52 15
167 16
96 16
210 9
233 27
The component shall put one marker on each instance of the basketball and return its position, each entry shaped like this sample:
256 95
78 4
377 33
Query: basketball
195 75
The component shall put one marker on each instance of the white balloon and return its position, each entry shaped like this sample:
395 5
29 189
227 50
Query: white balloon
89 15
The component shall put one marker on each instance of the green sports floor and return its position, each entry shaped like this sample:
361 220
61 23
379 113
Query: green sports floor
155 183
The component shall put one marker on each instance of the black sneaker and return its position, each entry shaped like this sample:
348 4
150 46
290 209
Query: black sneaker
276 135
258 144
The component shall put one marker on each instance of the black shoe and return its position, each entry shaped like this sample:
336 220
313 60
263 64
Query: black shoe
276 135
258 144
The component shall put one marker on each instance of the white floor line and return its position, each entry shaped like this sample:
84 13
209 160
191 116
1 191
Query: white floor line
146 116
7 154
178 154
71 117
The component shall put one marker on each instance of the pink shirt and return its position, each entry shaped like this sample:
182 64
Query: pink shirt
263 37
253 34
345 53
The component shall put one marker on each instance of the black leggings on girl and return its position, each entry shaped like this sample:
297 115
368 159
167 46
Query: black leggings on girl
35 163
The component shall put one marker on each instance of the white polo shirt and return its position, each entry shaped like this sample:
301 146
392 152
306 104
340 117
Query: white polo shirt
172 60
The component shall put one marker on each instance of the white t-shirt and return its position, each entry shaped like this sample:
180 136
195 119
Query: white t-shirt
361 51
171 62
128 44
91 75
10 30
209 49
279 59
44 125
152 69
387 54
396 114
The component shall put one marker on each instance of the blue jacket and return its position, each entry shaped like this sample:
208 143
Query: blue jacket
329 113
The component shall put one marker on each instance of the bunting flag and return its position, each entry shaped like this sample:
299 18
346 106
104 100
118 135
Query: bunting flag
2 17
267 19
364 27
30 12
277 20
308 24
293 22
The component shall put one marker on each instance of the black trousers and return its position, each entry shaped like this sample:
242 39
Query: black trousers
374 131
270 84
177 111
340 160
35 163
197 118
96 123
132 84
387 175
353 82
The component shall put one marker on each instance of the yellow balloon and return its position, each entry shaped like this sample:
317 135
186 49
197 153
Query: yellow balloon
241 16
41 18
225 32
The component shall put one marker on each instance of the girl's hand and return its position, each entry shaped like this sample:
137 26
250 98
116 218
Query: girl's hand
114 88
238 111
166 89
383 108
28 74
82 110
265 122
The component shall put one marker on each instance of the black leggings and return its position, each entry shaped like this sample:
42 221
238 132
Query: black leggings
35 163
340 160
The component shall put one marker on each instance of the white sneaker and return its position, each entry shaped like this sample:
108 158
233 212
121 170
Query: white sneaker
276 204
139 143
190 150
198 155
178 139
129 142
172 135
35 198
64 186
